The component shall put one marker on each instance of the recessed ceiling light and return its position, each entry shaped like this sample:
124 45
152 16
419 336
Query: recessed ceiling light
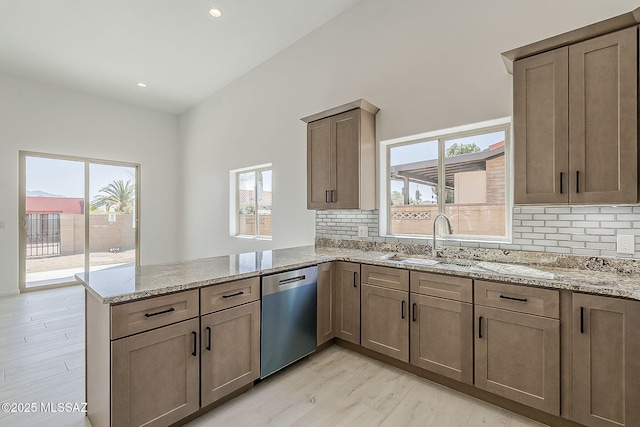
216 13
141 84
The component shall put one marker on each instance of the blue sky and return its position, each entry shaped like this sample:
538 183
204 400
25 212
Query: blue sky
66 177
429 150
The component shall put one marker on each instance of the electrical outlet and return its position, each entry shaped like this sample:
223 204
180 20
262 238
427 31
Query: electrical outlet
363 231
626 244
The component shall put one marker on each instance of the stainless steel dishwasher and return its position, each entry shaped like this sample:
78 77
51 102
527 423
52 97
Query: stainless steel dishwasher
289 313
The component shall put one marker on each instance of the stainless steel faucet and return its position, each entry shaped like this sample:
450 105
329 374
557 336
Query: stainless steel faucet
434 253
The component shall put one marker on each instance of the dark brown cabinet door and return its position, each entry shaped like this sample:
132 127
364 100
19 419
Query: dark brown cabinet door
345 141
442 336
319 160
155 376
603 98
541 128
326 303
606 361
230 350
385 321
517 356
347 312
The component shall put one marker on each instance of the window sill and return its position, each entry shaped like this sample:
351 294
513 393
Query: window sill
240 236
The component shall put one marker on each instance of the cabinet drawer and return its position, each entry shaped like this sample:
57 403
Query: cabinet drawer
386 277
139 316
438 285
522 299
219 297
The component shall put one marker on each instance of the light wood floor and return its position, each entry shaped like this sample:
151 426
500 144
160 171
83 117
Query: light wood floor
341 388
42 360
42 355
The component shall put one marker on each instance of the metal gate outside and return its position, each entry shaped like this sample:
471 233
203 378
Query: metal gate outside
43 234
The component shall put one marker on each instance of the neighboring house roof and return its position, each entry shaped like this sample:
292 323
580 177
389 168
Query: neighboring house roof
427 171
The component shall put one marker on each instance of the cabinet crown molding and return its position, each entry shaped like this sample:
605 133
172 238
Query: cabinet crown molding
360 103
610 25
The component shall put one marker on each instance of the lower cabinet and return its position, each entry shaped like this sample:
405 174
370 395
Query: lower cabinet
385 311
517 354
326 303
442 336
347 312
385 321
155 376
230 351
606 361
441 328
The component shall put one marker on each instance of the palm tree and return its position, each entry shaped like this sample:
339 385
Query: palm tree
118 194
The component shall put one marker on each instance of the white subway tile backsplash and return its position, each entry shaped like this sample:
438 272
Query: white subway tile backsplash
557 250
556 210
600 217
600 231
615 224
585 209
571 217
576 230
616 209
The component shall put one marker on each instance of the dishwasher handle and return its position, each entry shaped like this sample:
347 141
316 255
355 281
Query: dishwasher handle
291 280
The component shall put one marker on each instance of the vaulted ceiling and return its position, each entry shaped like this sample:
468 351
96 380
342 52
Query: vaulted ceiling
175 47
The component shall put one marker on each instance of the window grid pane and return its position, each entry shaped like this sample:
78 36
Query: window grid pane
254 190
471 177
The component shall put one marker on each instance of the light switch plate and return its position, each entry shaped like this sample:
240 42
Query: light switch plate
626 244
363 231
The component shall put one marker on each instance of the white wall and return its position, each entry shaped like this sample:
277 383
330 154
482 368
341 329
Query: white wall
427 64
48 119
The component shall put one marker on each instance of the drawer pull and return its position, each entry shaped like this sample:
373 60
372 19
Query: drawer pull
326 196
561 182
160 312
402 308
513 298
582 320
209 334
480 327
413 314
233 295
195 343
355 279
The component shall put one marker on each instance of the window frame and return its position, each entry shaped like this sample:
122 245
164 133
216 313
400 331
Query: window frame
235 202
442 136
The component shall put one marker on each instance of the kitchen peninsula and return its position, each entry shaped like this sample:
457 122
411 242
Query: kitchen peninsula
146 311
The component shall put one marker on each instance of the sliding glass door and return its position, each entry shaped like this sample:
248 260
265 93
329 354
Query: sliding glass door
78 215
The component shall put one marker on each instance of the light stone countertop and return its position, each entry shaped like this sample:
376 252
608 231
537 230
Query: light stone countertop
121 284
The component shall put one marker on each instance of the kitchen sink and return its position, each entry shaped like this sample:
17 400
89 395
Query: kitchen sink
412 260
462 266
465 266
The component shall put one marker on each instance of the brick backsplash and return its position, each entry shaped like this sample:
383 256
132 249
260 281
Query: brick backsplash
575 230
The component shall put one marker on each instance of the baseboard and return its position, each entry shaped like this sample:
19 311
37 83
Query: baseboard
9 293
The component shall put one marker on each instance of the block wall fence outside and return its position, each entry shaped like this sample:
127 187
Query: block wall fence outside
574 230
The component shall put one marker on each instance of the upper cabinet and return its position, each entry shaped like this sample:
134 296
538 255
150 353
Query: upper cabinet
341 157
575 117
